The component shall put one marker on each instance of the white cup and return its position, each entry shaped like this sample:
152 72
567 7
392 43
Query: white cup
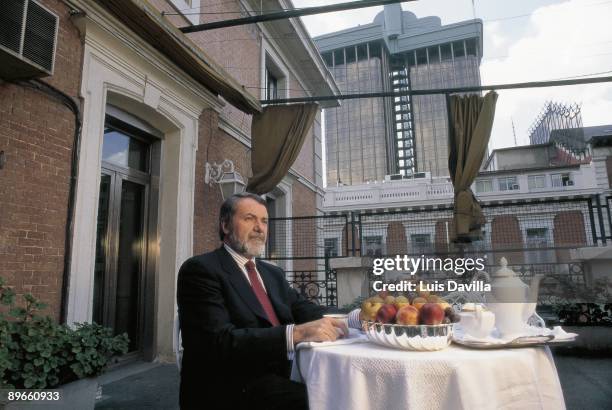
341 317
478 323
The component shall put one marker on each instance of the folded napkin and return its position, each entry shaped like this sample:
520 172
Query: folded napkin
354 336
530 331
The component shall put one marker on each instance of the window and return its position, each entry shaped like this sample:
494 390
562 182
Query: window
421 243
274 76
537 242
327 57
421 56
471 47
445 50
339 57
362 52
508 184
559 180
375 50
484 185
536 237
537 181
271 86
123 150
458 49
188 8
350 55
434 55
411 59
331 247
372 246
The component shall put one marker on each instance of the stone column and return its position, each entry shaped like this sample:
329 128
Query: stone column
597 263
352 278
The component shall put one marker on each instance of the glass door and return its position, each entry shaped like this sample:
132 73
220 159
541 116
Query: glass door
121 245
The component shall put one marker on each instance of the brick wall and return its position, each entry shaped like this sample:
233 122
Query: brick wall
396 239
217 145
445 230
236 49
569 231
36 134
304 204
506 234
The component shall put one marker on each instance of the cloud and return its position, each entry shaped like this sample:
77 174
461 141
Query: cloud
567 39
493 34
449 11
330 22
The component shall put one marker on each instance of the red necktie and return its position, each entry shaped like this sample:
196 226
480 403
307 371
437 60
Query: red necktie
261 294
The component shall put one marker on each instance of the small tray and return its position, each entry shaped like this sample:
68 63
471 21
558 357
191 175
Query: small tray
522 341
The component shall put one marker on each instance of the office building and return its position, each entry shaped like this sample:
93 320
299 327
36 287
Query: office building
367 139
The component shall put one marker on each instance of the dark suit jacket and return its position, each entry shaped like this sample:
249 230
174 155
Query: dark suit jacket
227 339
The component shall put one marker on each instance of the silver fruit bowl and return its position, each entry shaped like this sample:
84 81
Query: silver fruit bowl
417 337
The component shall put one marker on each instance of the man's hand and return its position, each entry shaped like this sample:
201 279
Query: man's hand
322 330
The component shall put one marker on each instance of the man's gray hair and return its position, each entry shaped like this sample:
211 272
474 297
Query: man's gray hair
228 208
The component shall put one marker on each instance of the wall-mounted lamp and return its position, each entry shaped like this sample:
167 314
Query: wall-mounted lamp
225 175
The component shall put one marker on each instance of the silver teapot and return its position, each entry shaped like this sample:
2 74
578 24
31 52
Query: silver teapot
512 301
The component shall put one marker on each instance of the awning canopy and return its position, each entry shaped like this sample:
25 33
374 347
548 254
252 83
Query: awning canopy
146 21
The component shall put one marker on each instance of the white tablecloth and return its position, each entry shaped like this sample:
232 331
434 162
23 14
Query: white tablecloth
364 376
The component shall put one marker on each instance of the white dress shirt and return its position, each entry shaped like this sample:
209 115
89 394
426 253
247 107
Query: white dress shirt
353 317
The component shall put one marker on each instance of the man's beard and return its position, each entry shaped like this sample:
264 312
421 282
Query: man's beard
251 248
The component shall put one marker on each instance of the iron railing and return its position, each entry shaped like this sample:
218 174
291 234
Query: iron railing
320 291
535 237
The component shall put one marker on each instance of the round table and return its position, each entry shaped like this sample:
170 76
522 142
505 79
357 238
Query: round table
365 376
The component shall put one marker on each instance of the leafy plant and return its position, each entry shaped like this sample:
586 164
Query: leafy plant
37 353
354 304
578 305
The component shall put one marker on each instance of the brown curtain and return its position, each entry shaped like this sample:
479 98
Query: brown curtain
469 132
277 135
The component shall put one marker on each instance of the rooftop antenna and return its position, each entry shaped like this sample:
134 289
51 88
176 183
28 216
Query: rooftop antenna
513 131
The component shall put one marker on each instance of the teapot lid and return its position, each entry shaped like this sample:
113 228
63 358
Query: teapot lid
504 271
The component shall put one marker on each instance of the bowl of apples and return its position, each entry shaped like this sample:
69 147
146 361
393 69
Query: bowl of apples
423 324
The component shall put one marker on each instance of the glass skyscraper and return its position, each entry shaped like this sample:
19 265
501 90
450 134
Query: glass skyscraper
369 138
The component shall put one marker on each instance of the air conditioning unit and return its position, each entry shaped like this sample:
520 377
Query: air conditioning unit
515 186
570 183
28 38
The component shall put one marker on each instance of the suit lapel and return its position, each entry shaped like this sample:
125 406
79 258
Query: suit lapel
240 283
282 310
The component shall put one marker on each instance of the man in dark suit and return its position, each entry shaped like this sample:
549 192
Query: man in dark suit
240 320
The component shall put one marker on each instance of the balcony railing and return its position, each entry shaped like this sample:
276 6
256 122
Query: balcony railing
422 191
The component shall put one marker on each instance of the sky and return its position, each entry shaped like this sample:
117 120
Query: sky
524 40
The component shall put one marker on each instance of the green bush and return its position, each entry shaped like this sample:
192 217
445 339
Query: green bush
37 353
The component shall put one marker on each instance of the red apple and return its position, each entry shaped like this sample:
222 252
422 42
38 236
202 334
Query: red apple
431 314
407 315
386 314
